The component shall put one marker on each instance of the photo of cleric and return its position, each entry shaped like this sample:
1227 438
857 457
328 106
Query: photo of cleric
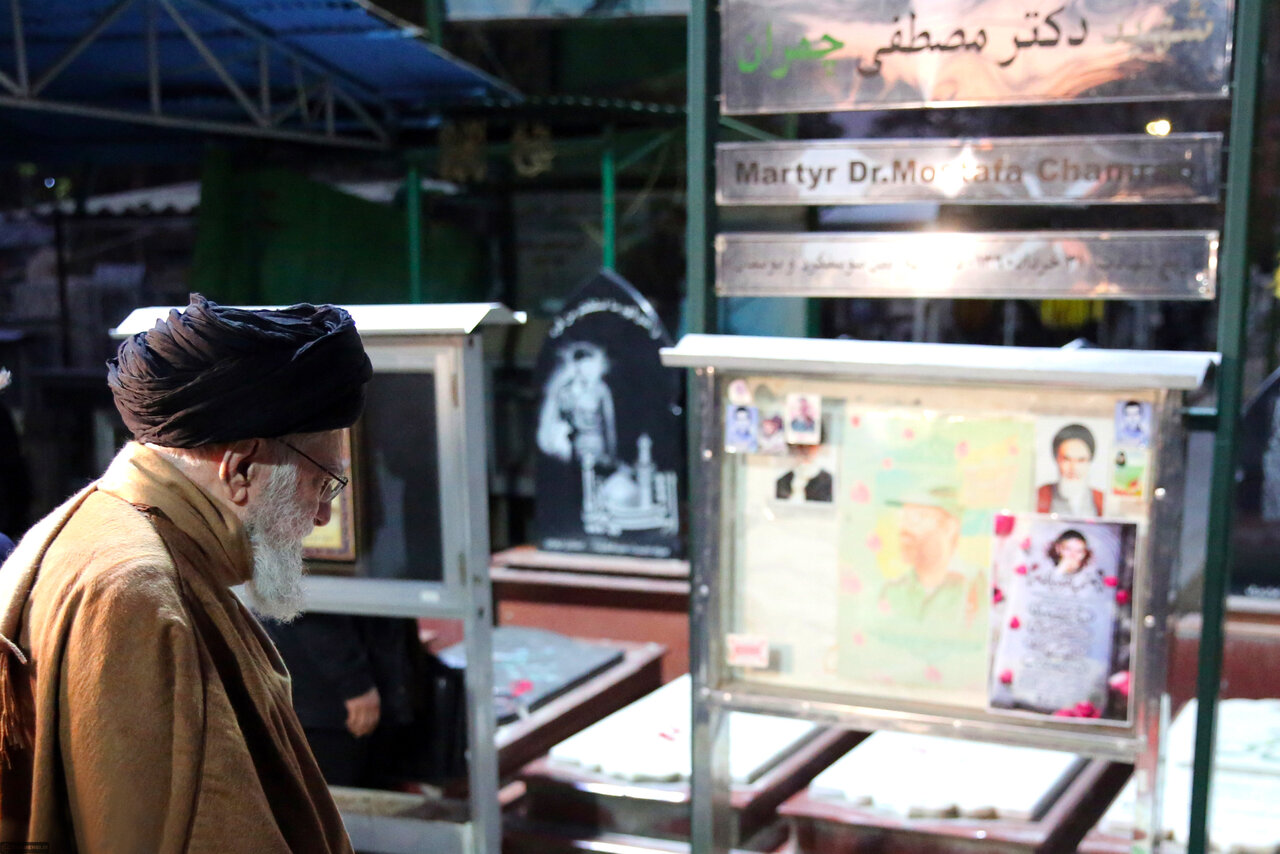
142 706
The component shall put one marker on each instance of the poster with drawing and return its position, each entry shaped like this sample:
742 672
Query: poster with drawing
1061 616
786 543
1073 465
915 536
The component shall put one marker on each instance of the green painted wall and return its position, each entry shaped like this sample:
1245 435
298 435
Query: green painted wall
269 236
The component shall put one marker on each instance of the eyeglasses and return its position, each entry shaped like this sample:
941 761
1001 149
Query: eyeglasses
333 484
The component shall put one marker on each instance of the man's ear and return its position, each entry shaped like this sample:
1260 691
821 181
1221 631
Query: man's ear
237 468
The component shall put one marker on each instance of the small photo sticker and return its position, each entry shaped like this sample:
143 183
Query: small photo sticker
804 419
772 438
1133 424
1130 472
740 426
747 651
740 393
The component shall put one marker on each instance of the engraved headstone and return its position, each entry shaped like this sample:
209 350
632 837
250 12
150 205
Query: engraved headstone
610 449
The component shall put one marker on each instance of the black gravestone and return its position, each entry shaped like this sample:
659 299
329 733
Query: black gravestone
610 444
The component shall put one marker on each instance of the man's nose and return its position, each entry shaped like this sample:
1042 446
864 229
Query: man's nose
324 511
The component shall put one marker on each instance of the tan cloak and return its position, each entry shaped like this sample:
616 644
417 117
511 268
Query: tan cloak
152 712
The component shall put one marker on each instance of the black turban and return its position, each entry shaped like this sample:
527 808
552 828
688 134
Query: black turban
217 374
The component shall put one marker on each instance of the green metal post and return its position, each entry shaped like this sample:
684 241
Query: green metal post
413 211
609 193
433 17
1232 310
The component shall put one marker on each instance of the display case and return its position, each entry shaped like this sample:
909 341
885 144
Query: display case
974 542
420 486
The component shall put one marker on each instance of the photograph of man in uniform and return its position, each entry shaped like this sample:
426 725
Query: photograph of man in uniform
936 585
740 429
1133 424
1072 494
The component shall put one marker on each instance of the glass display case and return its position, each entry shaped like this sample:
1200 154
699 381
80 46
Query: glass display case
974 542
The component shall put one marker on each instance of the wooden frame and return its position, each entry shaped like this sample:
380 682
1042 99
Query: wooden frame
336 541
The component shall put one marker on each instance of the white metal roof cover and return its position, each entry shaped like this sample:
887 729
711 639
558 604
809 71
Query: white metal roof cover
961 363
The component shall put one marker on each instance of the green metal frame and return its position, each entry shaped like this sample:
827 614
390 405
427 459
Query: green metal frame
1233 304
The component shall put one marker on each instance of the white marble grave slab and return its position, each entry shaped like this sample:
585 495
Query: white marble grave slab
649 740
918 776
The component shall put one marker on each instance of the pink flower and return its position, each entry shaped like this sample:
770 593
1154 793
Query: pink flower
886 463
1015 623
1120 682
858 639
851 584
1085 709
1025 545
1006 677
1004 524
908 433
1066 713
860 494
1021 569
1014 450
856 421
962 450
997 595
521 686
1111 581
1122 597
933 674
874 543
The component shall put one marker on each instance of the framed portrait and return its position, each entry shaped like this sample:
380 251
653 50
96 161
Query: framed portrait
336 540
1061 617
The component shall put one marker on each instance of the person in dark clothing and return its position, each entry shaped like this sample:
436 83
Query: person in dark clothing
15 483
351 681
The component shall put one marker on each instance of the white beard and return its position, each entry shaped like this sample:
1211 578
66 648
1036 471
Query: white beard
1073 490
277 525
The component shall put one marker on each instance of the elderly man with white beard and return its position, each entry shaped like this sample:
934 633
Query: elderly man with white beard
142 707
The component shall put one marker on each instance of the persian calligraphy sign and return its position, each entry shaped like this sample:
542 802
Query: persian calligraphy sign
1010 170
1172 265
851 54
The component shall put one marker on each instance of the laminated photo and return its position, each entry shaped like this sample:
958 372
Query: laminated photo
1133 424
740 425
1073 466
1061 617
807 476
1130 473
804 419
